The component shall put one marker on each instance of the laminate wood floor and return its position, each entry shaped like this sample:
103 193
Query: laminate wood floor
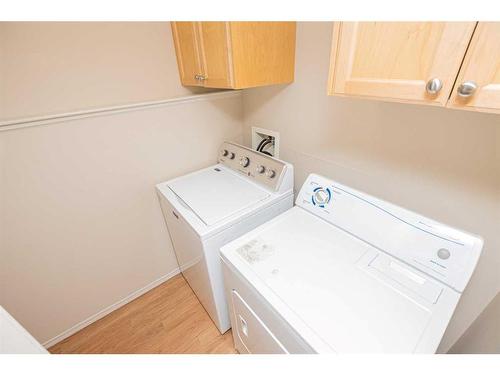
167 319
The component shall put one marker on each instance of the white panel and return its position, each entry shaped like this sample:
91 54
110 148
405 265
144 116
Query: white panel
252 332
190 256
215 193
447 254
263 169
404 277
311 267
14 339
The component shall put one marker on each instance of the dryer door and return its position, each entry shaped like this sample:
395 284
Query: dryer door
253 336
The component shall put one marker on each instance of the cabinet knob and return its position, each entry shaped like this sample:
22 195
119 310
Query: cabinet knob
467 89
202 77
433 86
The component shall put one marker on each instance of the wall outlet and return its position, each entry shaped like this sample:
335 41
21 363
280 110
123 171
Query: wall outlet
259 134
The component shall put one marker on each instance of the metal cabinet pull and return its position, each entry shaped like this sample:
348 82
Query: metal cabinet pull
467 89
433 86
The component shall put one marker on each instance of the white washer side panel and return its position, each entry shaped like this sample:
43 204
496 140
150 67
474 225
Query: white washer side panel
190 257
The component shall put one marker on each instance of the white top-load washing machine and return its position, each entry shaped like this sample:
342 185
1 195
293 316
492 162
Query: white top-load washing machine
208 208
345 272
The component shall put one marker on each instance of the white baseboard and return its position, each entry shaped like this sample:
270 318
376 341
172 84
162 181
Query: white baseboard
77 327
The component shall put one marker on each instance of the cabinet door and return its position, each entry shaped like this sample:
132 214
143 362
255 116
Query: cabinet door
215 54
186 48
482 67
263 53
395 60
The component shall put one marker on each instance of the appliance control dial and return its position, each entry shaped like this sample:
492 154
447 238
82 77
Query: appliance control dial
443 253
260 169
225 152
244 161
271 173
231 155
321 196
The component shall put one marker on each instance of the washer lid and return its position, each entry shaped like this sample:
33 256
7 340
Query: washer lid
216 193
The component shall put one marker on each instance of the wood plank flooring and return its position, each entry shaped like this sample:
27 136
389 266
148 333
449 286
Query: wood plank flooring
167 319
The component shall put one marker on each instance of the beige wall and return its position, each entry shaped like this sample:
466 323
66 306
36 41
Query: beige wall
57 67
441 163
80 223
483 336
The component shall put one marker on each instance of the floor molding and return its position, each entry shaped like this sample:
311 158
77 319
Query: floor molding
77 327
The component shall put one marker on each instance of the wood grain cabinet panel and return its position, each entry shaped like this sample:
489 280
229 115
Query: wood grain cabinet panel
214 49
395 60
186 46
482 67
235 55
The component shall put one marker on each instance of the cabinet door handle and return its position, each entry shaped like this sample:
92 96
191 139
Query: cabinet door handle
467 89
200 77
433 86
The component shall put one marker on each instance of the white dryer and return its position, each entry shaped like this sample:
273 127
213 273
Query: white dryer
206 209
345 272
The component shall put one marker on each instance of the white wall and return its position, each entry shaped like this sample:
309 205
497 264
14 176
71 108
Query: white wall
57 67
441 163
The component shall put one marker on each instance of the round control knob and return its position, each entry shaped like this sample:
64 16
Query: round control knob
244 161
321 196
231 155
271 173
443 253
260 169
225 152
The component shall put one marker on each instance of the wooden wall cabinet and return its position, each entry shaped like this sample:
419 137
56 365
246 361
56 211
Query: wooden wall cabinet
234 55
418 62
482 67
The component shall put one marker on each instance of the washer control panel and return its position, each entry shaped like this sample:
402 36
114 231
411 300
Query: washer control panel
445 253
263 169
321 196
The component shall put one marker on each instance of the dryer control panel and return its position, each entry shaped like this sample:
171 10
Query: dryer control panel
261 168
445 253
